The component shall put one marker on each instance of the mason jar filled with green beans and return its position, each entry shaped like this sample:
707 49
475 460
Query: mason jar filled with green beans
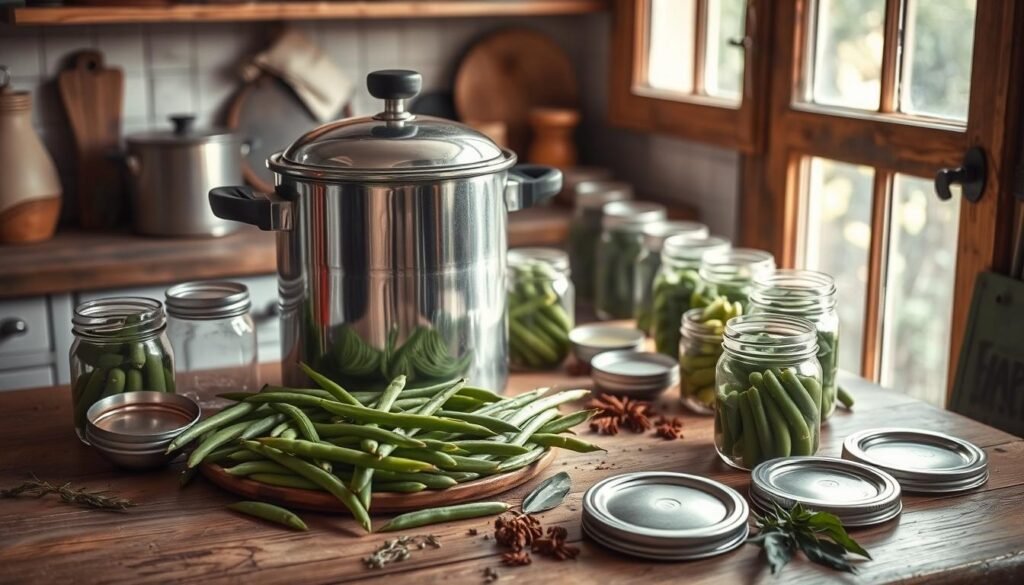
585 230
617 254
731 273
541 303
677 287
120 346
811 295
768 390
649 262
700 346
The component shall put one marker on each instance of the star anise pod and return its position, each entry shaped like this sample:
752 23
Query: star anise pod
625 412
605 426
517 558
517 531
669 428
554 545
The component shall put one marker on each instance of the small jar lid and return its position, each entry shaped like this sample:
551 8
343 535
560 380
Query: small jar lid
656 233
594 194
552 257
634 372
922 461
688 247
665 515
141 420
208 300
859 495
631 215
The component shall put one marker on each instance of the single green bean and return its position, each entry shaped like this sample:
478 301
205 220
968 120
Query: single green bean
437 458
287 480
217 439
302 422
803 400
781 444
339 393
333 430
514 403
445 514
154 372
565 442
443 446
495 424
115 382
270 513
401 487
480 394
534 408
490 448
136 355
251 467
223 417
845 398
513 463
263 426
800 433
329 452
473 465
566 422
751 448
132 381
405 421
434 481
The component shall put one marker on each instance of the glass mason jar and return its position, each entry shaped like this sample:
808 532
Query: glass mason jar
585 230
647 265
214 340
677 285
541 306
617 254
730 273
700 346
811 295
767 390
120 346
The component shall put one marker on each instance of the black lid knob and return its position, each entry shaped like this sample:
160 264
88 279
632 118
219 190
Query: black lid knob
182 123
394 84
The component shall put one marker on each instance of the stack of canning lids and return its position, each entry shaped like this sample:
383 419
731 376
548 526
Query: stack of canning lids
859 495
640 373
922 461
133 429
665 516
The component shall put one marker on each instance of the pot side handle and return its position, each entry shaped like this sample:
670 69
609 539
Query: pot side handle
263 210
530 185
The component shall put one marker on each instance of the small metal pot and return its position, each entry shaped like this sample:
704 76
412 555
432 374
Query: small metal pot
171 173
392 243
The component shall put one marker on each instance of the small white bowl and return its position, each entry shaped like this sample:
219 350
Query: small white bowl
591 340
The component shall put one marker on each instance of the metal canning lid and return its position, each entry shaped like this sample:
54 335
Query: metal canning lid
687 247
207 300
657 232
630 215
922 461
858 494
553 257
637 371
141 418
594 194
665 515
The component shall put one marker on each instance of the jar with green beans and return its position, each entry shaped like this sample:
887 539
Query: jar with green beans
732 272
617 255
811 295
120 346
700 346
768 390
677 287
649 262
541 303
585 230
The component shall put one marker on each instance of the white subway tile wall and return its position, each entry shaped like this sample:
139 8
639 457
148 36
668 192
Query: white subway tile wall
180 68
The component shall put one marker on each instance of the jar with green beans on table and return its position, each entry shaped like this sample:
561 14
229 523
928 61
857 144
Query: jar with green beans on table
541 303
677 287
617 255
700 346
649 262
768 390
731 273
585 230
120 346
811 295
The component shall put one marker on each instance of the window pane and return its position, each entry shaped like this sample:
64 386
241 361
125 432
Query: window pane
919 289
670 48
837 236
847 53
937 58
723 64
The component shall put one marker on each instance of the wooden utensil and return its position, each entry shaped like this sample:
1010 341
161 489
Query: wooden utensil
509 73
93 96
382 502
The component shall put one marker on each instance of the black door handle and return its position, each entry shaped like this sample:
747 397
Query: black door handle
970 176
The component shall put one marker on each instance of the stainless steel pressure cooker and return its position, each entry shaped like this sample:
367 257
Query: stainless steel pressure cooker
391 243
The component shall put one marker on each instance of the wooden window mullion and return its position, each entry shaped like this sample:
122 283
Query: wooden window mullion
700 37
874 300
889 99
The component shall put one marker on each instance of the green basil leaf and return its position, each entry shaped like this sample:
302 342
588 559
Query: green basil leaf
549 494
825 553
778 548
831 525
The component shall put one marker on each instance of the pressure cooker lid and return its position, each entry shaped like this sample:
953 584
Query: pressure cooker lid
392 144
183 132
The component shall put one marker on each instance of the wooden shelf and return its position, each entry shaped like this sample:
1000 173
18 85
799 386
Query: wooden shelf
260 11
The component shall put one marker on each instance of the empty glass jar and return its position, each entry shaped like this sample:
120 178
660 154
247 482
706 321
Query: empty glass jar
811 295
768 390
617 254
730 273
214 340
120 346
647 265
541 302
585 230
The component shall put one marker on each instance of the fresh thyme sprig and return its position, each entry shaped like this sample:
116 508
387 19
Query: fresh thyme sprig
399 549
37 488
819 535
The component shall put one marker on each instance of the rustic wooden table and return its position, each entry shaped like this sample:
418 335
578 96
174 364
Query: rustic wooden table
187 535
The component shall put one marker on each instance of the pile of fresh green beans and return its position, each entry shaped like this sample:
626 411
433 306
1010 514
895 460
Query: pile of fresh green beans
400 439
699 351
777 415
676 291
112 368
539 318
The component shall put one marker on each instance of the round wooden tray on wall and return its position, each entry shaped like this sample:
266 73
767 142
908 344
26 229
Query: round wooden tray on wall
386 502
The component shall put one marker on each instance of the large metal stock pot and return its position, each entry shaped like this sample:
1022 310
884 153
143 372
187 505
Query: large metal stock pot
391 243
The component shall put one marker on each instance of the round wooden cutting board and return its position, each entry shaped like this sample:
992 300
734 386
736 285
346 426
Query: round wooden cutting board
382 501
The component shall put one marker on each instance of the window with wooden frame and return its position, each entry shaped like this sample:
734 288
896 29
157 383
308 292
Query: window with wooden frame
686 67
868 101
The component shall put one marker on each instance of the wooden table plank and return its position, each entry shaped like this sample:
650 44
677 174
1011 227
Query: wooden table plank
187 535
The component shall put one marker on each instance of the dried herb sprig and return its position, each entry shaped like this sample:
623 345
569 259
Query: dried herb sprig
37 488
399 549
819 535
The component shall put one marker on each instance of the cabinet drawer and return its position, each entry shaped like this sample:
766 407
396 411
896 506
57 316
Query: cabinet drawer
24 327
26 378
